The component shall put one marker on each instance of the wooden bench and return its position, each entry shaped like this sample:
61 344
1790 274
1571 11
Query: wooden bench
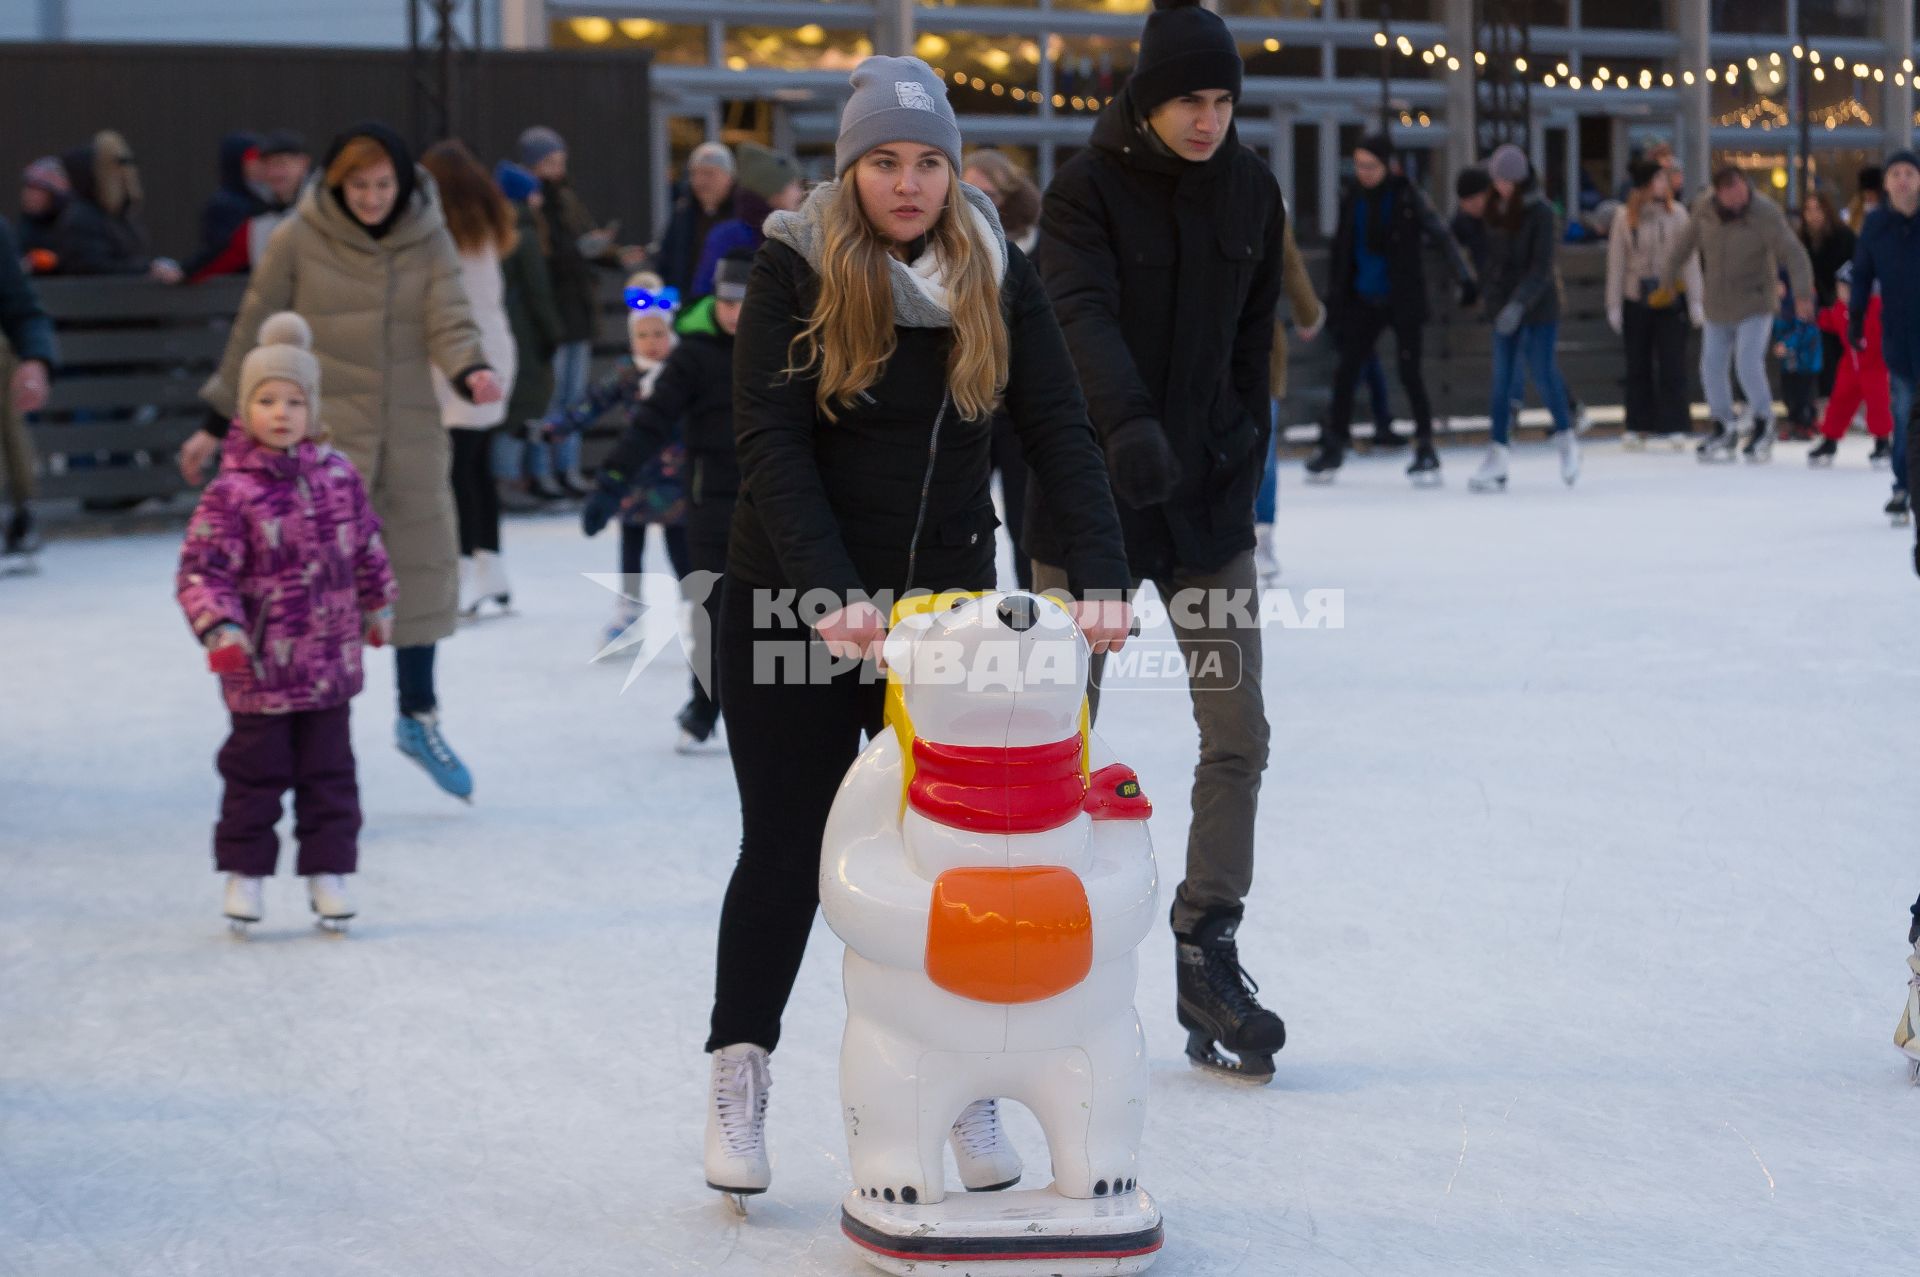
133 356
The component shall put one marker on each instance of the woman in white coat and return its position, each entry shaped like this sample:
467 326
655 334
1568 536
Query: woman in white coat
482 224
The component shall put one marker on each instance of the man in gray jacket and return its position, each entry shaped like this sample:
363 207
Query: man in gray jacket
1743 242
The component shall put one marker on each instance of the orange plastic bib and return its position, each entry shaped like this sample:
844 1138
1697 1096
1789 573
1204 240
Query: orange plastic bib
1009 935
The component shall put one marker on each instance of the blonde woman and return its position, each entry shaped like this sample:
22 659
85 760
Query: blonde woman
882 322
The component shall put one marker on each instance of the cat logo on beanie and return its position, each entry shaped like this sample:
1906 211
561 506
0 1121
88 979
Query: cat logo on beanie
914 95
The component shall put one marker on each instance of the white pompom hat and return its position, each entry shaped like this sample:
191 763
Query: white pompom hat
285 353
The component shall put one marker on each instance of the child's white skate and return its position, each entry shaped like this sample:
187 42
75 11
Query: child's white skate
332 906
245 904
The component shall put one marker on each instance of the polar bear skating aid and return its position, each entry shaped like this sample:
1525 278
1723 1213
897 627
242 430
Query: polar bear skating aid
990 871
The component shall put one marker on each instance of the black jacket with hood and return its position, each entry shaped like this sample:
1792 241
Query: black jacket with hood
96 233
233 205
1165 275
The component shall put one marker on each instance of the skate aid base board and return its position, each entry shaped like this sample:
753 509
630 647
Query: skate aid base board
1018 1233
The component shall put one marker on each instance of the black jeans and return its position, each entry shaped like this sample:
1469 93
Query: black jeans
1656 368
476 501
414 669
633 547
792 742
1357 331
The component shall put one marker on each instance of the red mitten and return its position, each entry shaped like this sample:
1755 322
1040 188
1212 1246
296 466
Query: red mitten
229 658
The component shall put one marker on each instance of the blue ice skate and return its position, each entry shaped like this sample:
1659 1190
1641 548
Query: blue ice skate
419 738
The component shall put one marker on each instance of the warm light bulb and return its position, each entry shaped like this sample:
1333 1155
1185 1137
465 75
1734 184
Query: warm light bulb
1547 79
1380 39
1479 58
592 30
1520 64
1272 45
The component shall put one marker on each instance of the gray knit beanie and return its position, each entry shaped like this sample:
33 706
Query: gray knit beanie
712 155
537 143
895 100
1508 163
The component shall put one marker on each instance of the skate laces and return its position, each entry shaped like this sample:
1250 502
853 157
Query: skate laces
1235 985
740 1098
435 743
978 1128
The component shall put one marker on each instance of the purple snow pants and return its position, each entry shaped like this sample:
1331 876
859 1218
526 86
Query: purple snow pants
309 752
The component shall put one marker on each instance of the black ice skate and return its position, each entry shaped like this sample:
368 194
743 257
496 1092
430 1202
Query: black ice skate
1425 468
1899 510
1323 465
1759 445
1882 453
697 720
22 544
1821 454
1227 1030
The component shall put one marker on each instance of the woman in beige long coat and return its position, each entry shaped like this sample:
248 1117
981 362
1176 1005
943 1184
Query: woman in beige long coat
368 262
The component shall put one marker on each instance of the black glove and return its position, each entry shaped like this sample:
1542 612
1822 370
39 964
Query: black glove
1916 572
601 506
1469 294
217 423
1141 464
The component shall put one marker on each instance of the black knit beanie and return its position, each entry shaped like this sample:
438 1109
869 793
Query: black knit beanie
1471 182
1184 49
1378 145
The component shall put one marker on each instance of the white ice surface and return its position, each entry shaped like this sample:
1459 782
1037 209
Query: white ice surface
1585 857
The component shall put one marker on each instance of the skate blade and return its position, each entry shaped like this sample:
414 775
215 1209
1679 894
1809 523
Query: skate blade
1487 485
1323 479
736 1197
1431 480
331 926
241 928
1254 1067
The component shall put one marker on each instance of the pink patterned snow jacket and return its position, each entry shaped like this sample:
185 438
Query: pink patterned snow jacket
286 546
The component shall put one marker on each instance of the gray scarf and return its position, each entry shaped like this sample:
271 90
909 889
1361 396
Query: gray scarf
919 290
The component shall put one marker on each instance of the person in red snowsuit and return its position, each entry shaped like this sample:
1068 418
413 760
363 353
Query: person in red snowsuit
1860 378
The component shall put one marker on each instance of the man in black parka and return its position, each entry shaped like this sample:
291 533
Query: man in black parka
1160 245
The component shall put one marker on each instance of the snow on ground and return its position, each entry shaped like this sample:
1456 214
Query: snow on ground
1586 851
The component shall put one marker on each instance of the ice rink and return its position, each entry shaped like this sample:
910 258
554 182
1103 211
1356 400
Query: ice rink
1586 852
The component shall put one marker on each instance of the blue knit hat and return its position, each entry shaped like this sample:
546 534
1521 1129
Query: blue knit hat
895 100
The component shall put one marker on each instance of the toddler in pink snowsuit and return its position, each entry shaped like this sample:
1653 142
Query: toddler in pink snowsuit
282 577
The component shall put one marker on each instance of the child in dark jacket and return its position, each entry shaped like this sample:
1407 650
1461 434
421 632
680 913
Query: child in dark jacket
658 496
1860 380
695 391
1796 344
282 576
